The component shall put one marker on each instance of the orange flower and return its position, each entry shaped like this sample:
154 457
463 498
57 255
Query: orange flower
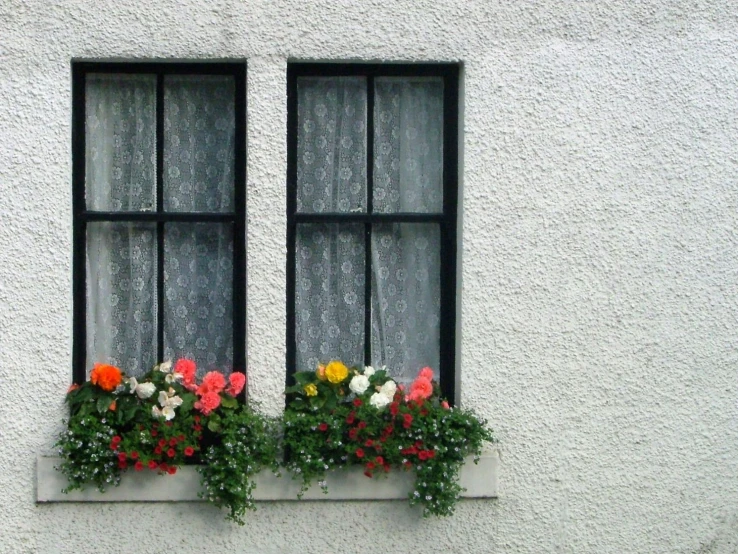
105 376
112 406
72 387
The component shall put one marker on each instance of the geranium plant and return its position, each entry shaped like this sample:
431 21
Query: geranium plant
338 417
161 421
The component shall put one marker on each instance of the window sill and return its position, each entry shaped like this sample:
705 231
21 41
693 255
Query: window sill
480 481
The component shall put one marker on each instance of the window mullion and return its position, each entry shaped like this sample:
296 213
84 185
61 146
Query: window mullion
368 225
160 209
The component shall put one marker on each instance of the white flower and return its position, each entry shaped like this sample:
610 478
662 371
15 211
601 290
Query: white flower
163 397
173 378
145 390
132 383
359 384
168 412
165 367
389 389
369 371
156 412
379 400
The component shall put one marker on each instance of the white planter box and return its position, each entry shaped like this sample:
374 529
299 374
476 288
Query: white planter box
480 480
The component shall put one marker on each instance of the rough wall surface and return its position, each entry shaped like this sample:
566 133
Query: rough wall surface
599 251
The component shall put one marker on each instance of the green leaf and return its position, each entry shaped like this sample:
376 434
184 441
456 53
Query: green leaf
188 400
103 403
214 425
228 402
317 401
304 377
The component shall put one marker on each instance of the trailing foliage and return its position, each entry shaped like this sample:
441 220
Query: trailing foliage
338 417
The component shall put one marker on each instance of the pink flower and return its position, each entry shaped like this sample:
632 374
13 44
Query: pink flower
237 381
208 402
426 373
188 370
212 382
445 405
421 389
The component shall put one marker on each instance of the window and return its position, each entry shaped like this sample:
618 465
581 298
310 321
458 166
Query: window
371 209
159 214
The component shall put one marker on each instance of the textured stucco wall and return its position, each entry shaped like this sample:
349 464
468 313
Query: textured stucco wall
599 251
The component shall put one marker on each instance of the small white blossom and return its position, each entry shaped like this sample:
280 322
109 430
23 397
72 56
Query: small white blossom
369 371
359 384
379 400
389 389
165 367
173 378
145 390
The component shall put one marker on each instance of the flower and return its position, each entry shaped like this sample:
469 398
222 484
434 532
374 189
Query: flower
388 389
212 382
142 390
426 373
188 370
359 384
323 427
320 372
208 402
357 402
105 376
420 389
237 382
369 371
72 387
165 367
445 405
310 389
336 372
173 378
113 406
171 452
172 470
379 400
153 464
359 452
138 466
189 451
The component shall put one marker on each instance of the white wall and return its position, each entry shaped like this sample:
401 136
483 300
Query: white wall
600 264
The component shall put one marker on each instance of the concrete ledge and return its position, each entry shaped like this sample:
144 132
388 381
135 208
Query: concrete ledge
480 481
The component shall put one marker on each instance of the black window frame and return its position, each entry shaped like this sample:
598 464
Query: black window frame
82 216
447 220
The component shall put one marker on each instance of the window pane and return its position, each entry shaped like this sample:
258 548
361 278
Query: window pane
121 295
408 145
120 139
331 144
199 134
329 296
406 286
198 283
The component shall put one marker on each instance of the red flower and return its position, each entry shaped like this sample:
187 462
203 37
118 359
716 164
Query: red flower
350 419
172 442
139 466
171 470
323 427
359 453
408 420
157 450
134 455
369 442
237 381
368 473
116 439
163 466
162 443
407 465
154 433
394 408
379 460
197 419
352 434
189 451
153 464
386 468
370 465
122 465
171 452
197 428
122 457
362 425
187 369
424 412
423 454
357 402
181 438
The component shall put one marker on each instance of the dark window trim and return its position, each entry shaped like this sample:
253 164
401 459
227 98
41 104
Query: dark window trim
82 216
447 220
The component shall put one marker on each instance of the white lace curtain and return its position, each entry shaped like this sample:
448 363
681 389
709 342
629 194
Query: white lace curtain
405 257
122 293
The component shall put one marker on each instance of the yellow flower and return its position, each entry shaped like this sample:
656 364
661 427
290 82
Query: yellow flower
336 372
311 389
320 372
